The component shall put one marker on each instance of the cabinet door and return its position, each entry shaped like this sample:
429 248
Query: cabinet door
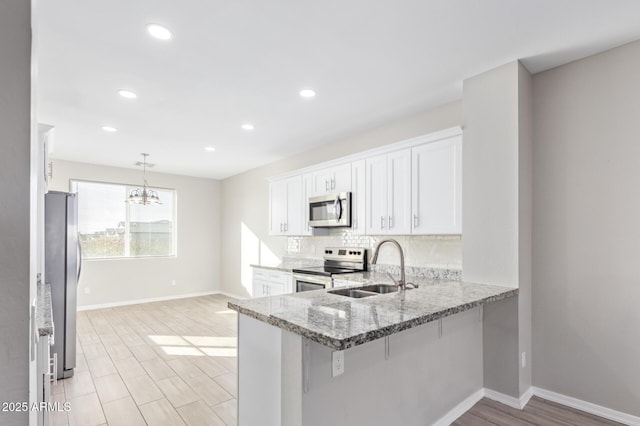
341 178
293 221
399 197
437 187
322 180
376 199
307 191
277 207
332 179
358 197
260 288
274 289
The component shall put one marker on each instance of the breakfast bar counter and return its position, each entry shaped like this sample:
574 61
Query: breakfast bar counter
340 322
322 357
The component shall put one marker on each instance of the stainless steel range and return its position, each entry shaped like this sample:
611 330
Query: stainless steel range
337 260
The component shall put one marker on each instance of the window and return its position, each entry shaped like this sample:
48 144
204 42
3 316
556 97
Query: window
109 227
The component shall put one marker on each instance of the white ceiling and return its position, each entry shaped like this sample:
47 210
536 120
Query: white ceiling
238 61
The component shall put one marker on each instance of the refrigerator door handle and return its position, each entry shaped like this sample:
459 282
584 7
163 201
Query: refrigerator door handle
79 261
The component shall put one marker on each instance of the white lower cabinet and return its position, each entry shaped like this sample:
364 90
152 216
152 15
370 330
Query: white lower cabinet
267 282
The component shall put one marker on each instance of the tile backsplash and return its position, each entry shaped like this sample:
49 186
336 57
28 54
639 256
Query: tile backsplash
425 251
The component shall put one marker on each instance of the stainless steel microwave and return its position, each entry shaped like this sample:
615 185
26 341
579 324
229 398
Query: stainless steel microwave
330 211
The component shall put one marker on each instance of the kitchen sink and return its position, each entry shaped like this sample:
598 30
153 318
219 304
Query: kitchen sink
366 291
380 288
351 292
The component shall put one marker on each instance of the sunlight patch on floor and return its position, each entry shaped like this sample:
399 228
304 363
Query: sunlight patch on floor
197 345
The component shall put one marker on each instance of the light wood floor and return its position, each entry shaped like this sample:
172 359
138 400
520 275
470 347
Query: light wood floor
166 363
537 412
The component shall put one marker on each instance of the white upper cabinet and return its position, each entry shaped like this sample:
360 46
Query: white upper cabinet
410 187
331 180
285 201
437 187
358 197
307 190
388 193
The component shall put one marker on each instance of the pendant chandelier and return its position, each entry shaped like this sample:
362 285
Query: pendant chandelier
144 195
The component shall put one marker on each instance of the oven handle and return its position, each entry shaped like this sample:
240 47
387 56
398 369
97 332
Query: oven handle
326 281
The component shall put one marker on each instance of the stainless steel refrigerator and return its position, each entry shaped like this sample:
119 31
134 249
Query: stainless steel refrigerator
62 263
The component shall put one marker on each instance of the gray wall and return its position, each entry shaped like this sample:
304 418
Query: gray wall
525 223
15 98
496 215
196 268
586 281
245 197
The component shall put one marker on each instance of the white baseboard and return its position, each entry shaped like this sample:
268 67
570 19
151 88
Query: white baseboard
508 400
511 401
460 409
520 403
149 300
235 296
524 399
587 407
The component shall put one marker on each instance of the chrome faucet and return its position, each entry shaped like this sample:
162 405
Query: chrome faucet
402 285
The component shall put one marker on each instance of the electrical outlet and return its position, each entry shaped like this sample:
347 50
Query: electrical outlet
87 290
338 363
173 282
523 359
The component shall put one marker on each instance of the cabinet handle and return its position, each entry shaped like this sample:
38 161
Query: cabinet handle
280 226
326 185
415 220
381 222
333 184
390 222
286 226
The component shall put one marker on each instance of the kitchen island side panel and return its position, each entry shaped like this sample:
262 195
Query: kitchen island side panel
259 374
425 376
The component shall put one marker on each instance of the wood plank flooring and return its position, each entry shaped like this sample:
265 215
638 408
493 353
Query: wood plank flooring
538 412
174 363
165 363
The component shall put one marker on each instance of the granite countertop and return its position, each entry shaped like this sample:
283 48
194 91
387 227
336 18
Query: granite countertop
44 317
341 322
289 264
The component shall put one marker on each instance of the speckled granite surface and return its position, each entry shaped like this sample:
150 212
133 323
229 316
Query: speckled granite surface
290 263
44 317
341 322
413 271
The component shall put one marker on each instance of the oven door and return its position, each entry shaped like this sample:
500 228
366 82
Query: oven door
328 211
305 282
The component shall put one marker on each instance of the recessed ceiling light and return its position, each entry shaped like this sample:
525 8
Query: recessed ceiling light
159 32
210 149
307 93
127 94
248 126
109 129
